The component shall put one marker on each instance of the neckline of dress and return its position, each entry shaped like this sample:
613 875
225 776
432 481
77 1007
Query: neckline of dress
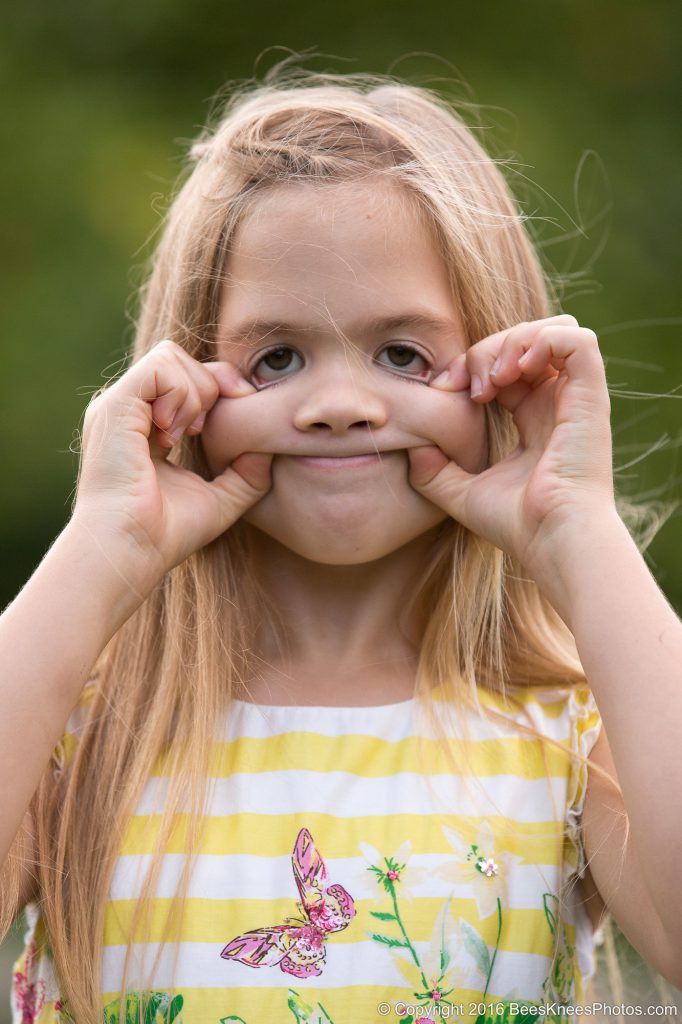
324 708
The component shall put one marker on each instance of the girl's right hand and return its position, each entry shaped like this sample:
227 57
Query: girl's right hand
151 512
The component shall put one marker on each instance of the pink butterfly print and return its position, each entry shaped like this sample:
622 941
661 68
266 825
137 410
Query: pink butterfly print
298 946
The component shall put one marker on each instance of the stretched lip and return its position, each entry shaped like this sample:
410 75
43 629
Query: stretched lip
341 461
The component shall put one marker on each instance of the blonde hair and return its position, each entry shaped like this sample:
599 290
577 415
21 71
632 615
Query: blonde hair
172 668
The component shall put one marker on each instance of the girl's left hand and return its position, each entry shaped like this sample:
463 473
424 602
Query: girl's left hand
561 473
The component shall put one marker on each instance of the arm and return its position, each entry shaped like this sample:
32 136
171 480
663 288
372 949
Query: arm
50 637
550 504
630 644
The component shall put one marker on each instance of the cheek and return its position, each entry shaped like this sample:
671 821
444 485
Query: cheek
262 422
453 422
234 426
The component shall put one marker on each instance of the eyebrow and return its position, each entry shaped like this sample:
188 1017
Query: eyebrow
259 328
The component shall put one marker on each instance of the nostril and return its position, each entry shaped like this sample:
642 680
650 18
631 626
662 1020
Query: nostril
364 425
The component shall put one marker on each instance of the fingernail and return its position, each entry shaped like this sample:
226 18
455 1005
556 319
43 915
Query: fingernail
242 387
496 365
476 387
441 379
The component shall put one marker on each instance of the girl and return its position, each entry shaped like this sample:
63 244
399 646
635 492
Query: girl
347 582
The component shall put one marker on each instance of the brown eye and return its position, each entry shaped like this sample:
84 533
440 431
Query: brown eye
278 359
274 364
404 357
401 355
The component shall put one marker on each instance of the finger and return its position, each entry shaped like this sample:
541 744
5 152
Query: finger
165 408
479 357
229 379
245 481
551 348
484 358
569 357
440 480
498 368
198 380
185 414
555 346
208 381
197 426
184 410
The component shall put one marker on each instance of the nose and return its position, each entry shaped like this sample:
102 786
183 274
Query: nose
343 400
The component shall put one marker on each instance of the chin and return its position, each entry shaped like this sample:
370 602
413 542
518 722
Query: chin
324 552
351 540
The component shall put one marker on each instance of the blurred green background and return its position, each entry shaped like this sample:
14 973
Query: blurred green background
100 101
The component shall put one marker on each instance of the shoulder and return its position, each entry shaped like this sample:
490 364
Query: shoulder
561 712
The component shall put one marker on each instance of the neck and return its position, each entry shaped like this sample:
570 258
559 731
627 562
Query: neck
351 633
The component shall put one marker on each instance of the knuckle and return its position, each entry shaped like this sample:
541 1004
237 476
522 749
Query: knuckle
93 405
194 403
209 389
166 345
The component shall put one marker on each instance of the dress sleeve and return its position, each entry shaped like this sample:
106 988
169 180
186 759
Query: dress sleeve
585 725
66 747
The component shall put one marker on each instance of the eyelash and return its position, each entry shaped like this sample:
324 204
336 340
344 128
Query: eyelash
401 345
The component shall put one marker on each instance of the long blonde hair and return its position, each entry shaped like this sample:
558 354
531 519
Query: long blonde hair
172 668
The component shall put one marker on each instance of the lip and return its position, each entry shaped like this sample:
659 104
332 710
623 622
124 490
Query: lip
339 462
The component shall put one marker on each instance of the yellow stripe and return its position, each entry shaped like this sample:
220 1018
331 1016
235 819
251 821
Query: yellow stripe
351 1003
373 757
274 834
205 920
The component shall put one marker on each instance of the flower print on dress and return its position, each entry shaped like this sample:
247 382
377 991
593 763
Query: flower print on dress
484 865
28 997
408 877
434 975
298 945
441 965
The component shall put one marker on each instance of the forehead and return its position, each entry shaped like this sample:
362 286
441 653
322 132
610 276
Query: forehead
331 250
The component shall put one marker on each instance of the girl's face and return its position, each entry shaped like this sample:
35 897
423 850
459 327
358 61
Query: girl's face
337 308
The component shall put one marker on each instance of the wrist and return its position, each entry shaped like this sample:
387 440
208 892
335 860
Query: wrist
106 565
584 543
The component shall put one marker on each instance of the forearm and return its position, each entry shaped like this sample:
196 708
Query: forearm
50 637
630 644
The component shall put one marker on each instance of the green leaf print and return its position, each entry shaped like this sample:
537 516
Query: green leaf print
383 915
304 1013
475 945
389 941
145 1008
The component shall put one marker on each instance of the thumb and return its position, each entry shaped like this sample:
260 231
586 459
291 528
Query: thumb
245 481
439 479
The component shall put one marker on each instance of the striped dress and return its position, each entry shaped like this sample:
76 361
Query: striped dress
347 873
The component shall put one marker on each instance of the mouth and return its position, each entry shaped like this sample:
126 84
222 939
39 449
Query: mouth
342 461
